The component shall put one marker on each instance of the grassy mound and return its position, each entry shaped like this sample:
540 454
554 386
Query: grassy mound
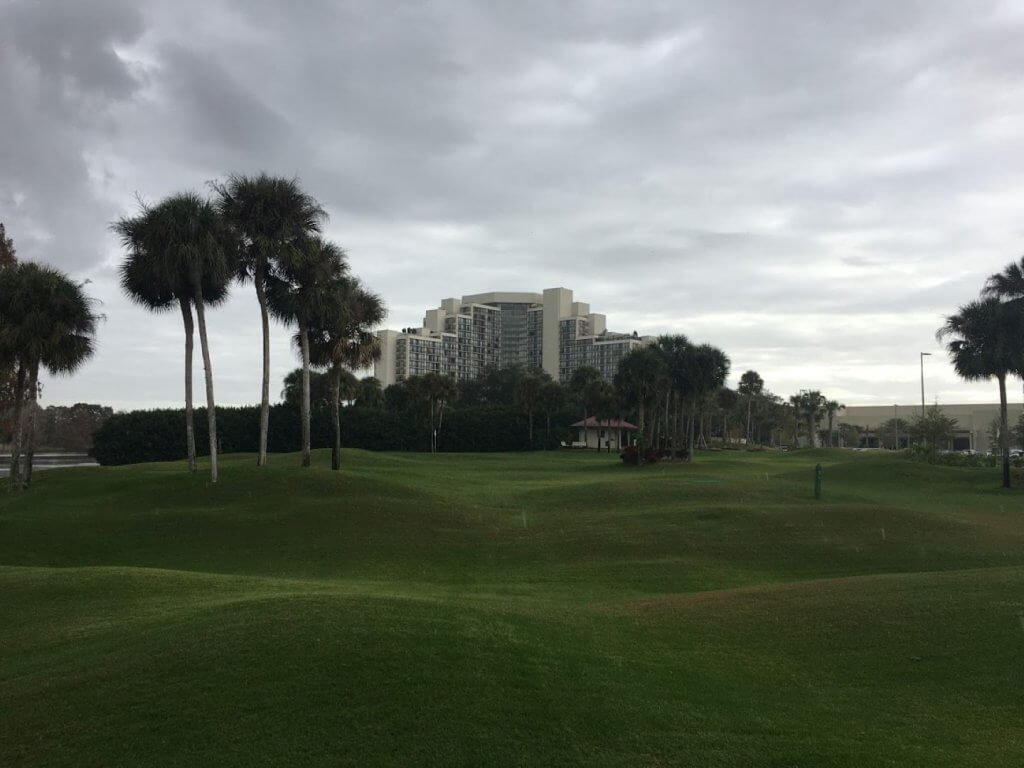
544 609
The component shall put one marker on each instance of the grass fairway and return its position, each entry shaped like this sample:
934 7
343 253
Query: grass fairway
521 610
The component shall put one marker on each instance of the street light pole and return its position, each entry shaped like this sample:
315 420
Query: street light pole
923 355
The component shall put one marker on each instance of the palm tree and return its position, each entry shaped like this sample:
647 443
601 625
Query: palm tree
642 375
151 278
1008 284
832 407
984 342
341 339
581 385
676 350
601 396
708 370
552 396
268 215
751 385
12 379
302 291
195 253
46 320
528 394
808 407
438 389
368 393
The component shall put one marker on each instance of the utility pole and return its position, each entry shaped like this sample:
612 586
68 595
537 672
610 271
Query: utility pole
896 425
923 355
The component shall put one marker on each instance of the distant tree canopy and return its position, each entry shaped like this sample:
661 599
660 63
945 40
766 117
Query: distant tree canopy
70 428
893 430
319 388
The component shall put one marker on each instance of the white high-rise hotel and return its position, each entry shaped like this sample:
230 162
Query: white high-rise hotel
546 331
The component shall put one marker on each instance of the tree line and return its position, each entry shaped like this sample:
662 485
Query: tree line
187 250
673 390
47 322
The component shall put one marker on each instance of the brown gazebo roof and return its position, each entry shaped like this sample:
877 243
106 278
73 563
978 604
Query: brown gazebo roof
591 421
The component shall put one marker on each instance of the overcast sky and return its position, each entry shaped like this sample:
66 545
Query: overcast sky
809 186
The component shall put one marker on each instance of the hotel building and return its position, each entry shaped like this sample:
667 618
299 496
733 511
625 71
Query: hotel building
540 331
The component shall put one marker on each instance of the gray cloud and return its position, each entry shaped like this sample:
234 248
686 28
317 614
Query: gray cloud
809 186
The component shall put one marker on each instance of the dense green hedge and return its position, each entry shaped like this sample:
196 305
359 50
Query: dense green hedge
159 435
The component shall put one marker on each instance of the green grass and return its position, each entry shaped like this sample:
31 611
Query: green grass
544 609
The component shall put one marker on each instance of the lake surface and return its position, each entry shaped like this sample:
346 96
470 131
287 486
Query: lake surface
44 461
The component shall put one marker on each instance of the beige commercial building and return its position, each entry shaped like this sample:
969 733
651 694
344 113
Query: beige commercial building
539 331
974 422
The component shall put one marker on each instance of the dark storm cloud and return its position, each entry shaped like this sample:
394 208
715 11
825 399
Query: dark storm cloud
809 185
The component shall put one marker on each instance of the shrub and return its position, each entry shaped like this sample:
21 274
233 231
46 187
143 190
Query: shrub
159 435
631 453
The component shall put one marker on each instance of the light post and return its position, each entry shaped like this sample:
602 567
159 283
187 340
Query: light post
923 355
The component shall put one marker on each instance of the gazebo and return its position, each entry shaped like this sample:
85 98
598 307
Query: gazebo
610 434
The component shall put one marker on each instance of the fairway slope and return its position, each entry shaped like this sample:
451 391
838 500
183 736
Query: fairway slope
550 609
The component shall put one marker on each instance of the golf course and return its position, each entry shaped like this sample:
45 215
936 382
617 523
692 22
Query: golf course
548 608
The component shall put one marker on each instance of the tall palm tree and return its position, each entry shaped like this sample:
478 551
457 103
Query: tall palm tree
191 253
1008 284
342 339
601 396
47 321
438 390
676 350
268 215
808 407
581 385
302 292
552 396
984 342
641 377
151 278
708 368
528 394
832 407
12 377
368 393
751 385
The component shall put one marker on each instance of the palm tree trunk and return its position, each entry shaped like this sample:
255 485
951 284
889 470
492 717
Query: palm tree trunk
261 297
1004 431
750 400
691 433
190 427
440 418
336 413
643 435
14 479
211 407
304 344
30 424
